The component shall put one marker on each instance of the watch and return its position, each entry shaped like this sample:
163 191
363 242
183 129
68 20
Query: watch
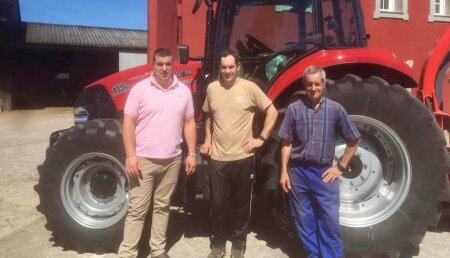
262 138
340 167
193 154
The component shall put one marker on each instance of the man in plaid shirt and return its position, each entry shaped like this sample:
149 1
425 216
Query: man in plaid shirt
307 172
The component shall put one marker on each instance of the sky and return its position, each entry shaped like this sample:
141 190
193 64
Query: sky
126 14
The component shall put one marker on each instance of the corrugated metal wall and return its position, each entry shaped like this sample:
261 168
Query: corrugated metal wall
129 60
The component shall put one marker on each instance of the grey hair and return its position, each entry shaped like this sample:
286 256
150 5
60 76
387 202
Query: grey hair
312 70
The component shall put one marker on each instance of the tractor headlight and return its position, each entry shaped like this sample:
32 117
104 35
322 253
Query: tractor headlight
80 115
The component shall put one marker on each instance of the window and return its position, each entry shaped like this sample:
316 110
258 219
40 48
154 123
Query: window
391 9
439 10
267 33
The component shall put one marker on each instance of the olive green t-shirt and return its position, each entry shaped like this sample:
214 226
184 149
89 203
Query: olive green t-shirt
231 111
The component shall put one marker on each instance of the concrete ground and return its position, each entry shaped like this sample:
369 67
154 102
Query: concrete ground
24 138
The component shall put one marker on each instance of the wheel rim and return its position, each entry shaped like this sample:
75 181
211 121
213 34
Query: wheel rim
379 177
94 190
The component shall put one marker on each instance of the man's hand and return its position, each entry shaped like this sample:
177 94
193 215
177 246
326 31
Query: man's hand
190 164
331 174
206 149
285 182
133 167
251 144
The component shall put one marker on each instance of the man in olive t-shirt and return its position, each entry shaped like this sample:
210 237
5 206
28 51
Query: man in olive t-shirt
231 103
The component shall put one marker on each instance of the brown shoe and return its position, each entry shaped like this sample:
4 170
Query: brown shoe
237 253
217 252
163 255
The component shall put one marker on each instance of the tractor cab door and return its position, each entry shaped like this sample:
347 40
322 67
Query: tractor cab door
266 34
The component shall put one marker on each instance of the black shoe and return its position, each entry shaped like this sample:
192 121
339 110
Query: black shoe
163 255
217 252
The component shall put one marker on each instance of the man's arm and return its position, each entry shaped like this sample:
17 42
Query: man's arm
269 122
132 166
333 173
285 182
206 149
190 135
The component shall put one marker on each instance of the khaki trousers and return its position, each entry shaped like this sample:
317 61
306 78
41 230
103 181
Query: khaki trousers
159 178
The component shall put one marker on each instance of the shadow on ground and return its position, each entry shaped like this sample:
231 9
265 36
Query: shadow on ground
266 229
197 224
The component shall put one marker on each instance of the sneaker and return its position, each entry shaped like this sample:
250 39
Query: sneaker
237 253
217 252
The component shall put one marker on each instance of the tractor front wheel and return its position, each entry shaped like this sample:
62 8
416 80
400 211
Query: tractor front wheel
83 188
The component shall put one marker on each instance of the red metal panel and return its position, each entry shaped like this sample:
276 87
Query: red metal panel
171 22
431 68
328 58
192 32
128 78
163 28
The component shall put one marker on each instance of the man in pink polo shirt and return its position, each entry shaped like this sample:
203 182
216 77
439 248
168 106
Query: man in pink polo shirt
158 112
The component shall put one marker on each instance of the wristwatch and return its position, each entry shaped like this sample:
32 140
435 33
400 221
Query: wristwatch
262 138
340 167
192 154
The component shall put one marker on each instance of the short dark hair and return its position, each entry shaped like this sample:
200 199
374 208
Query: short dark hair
228 52
313 70
162 52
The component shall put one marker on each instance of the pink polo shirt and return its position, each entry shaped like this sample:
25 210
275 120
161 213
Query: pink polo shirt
160 115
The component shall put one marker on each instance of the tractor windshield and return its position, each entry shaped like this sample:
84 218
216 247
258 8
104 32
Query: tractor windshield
263 30
269 35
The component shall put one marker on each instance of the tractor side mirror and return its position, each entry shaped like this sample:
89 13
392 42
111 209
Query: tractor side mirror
183 54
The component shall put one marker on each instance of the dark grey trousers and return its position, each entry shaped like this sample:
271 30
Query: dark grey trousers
231 194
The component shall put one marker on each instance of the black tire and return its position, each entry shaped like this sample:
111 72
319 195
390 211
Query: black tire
269 172
83 188
391 193
402 154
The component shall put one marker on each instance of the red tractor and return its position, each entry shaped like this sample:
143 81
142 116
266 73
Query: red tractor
389 195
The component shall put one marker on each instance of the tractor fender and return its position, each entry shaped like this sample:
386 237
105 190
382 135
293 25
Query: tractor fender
334 58
432 65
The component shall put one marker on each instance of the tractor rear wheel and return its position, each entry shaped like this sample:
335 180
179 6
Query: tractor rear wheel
83 188
391 191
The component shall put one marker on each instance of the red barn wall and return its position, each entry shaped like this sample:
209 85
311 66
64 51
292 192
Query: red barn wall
409 40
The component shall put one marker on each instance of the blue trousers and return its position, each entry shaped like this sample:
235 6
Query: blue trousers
315 209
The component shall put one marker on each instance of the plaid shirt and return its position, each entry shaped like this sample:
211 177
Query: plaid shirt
313 132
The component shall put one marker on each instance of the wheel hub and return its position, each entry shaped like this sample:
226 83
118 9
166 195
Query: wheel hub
354 168
94 190
103 184
378 178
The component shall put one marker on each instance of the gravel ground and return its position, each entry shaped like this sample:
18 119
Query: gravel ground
22 228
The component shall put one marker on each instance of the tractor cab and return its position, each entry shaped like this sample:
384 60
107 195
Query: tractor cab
271 35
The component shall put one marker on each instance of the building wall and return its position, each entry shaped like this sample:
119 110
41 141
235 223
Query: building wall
411 39
129 60
5 82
